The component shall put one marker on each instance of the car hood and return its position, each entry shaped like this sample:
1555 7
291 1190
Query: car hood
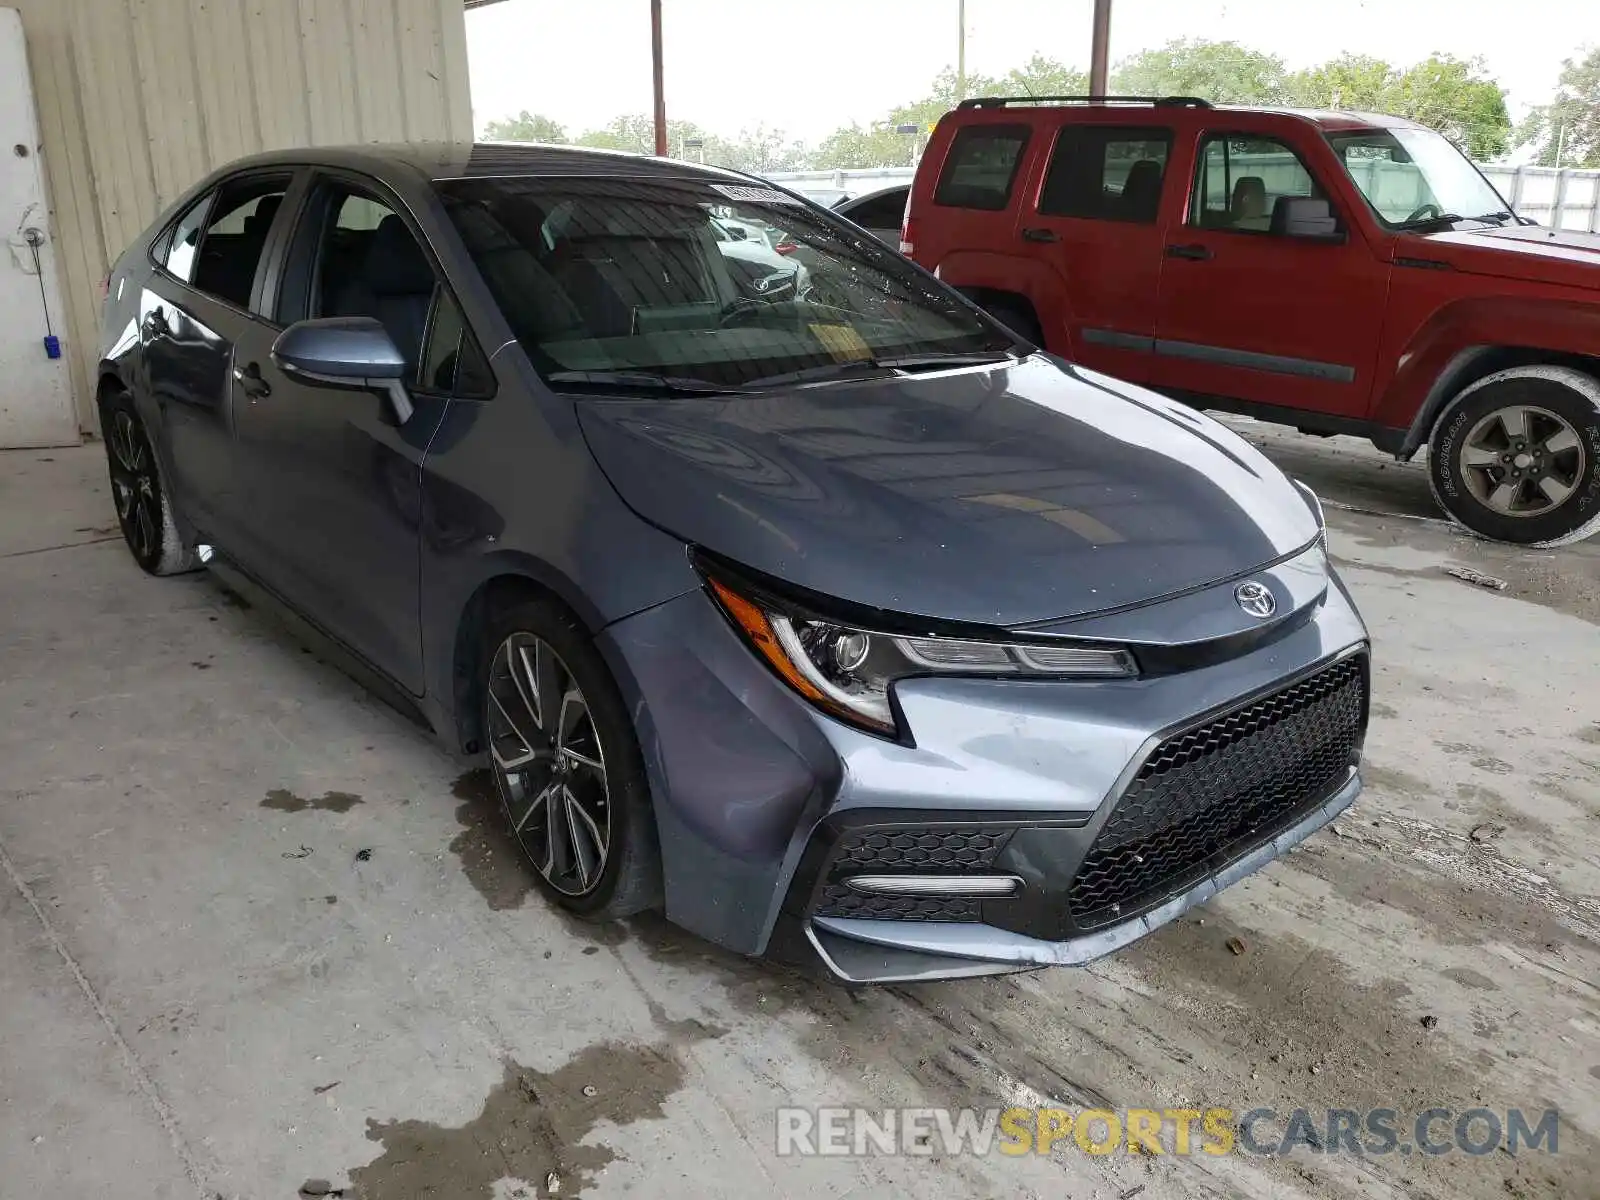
1001 496
1531 252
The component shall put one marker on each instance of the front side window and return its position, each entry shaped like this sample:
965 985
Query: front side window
617 282
981 167
1240 180
1107 174
1415 176
235 236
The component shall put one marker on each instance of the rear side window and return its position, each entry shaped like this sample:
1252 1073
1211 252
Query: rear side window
1107 174
981 167
882 212
235 235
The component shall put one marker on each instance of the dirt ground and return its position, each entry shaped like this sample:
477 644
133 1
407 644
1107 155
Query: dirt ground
257 932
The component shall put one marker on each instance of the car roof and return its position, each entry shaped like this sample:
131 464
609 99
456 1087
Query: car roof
467 160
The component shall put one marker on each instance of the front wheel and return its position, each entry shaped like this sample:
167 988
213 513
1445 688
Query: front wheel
144 503
1516 456
567 764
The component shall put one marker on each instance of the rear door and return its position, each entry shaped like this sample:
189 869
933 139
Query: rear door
1094 216
194 308
333 478
1249 312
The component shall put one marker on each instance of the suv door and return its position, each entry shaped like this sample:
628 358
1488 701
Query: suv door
1094 218
1254 310
333 477
194 307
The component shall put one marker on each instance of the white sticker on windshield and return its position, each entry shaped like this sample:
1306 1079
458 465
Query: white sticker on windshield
758 195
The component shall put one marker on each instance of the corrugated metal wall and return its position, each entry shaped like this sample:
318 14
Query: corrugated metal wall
139 98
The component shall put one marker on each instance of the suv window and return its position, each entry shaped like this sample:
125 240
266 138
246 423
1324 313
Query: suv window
881 212
1239 181
1107 174
235 235
981 167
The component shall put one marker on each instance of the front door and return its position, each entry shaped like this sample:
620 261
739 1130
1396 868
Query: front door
1250 312
333 478
1094 218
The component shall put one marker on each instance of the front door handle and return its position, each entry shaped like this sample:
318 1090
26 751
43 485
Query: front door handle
155 324
248 377
1040 235
1191 251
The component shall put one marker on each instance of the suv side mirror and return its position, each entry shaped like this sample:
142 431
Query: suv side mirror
351 352
1304 217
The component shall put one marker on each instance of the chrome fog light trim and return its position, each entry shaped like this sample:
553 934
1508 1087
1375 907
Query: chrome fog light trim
935 885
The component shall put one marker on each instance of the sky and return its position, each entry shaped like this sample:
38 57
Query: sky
809 66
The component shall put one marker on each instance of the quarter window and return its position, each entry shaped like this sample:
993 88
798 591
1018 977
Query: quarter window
180 255
1240 182
981 167
453 365
1106 174
235 235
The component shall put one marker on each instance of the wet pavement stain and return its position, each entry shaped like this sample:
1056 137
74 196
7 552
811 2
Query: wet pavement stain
286 801
531 1125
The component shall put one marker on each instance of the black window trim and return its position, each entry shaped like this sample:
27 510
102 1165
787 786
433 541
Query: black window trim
289 172
989 127
381 193
1162 133
1212 133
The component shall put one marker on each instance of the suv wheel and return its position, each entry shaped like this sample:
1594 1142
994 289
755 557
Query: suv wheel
144 505
566 763
1516 456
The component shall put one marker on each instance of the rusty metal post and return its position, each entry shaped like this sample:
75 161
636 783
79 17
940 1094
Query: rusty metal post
1100 49
658 81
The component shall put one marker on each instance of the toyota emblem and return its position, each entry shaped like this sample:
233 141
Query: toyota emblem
1256 599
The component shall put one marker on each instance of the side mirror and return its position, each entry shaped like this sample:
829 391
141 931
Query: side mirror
350 352
1303 217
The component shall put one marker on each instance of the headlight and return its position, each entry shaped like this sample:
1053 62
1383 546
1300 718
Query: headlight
847 671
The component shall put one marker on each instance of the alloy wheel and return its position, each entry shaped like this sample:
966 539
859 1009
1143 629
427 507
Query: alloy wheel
549 764
1522 461
134 485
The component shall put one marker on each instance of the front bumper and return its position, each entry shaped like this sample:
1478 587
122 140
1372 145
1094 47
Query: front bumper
753 790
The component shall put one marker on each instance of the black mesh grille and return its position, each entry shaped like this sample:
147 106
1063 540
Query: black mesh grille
839 901
1215 790
907 850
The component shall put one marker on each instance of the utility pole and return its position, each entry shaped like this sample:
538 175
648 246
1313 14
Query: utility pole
656 78
961 50
1561 134
1100 49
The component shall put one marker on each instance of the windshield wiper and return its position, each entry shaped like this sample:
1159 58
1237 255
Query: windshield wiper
1425 222
1499 218
870 368
639 381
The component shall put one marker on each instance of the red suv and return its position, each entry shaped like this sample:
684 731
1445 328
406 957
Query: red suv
1339 272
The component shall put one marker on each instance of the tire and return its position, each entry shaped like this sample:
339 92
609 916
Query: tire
139 491
1016 318
536 638
1539 489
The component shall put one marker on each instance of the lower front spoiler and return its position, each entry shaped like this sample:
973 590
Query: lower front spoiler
867 951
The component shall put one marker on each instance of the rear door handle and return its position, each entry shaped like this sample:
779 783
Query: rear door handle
250 382
1040 235
155 324
1191 251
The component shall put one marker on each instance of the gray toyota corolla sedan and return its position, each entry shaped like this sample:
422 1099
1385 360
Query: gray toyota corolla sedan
809 605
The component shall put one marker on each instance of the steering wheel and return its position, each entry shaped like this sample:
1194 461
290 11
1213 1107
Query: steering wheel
736 312
1430 211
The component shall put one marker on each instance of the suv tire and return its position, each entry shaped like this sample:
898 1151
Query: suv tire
1516 456
1017 318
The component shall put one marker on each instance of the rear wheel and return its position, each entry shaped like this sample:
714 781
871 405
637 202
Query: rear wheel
1516 456
566 763
144 504
1016 317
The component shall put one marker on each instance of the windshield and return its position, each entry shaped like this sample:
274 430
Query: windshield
1412 176
677 284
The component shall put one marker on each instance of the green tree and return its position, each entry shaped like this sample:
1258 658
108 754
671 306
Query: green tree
1457 98
1222 72
1569 126
526 127
1351 81
1040 76
636 133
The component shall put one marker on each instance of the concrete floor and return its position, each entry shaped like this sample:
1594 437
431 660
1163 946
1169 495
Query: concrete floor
256 930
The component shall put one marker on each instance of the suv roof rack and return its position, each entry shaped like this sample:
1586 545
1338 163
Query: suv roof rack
1159 101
